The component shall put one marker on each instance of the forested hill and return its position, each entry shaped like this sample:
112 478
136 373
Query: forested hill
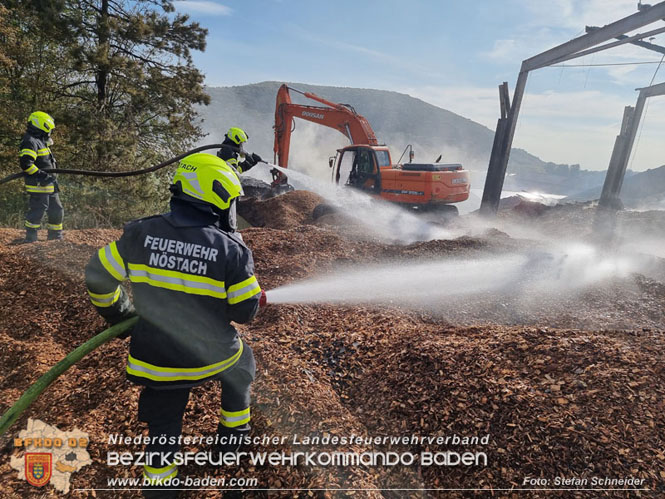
398 119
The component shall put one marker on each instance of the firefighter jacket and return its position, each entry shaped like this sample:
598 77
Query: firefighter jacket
189 281
230 154
35 155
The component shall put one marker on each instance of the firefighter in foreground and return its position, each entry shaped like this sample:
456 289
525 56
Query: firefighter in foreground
190 276
232 151
35 156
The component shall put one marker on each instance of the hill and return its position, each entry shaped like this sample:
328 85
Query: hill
398 119
639 191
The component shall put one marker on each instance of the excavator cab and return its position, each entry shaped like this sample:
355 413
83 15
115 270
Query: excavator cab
357 167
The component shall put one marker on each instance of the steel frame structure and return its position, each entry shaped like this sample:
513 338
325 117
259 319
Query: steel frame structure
578 47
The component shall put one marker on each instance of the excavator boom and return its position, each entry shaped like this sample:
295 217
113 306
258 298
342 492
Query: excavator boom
341 117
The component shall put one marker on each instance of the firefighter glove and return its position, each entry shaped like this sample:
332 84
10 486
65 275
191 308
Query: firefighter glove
122 311
44 178
250 161
48 180
41 176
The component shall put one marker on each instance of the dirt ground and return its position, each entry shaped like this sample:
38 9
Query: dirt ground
572 386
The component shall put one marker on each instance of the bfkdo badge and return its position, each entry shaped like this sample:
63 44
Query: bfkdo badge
38 468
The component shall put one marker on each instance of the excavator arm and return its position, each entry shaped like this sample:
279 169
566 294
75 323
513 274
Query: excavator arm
341 117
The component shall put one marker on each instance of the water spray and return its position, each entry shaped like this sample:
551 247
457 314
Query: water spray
402 283
531 276
381 217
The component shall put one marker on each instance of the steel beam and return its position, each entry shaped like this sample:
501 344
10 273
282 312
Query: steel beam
621 41
620 27
646 45
617 169
608 197
653 90
492 177
610 202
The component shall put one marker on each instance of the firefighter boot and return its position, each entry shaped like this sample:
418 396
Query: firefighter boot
231 439
54 235
30 235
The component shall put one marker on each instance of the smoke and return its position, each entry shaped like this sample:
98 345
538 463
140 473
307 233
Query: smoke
647 245
428 154
524 280
576 266
378 217
311 146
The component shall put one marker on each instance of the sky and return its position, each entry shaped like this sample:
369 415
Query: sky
452 54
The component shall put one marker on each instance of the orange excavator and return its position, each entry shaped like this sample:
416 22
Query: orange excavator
366 164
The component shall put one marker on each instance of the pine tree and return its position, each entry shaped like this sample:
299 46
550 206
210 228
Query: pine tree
118 77
133 84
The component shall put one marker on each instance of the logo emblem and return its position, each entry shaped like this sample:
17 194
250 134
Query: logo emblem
38 468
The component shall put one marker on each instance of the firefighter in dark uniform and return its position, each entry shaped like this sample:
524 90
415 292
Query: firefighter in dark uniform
35 156
232 151
191 275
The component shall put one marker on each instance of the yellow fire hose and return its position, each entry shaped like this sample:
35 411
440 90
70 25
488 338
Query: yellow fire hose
10 417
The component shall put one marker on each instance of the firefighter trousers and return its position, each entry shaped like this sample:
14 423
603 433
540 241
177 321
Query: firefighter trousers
49 203
163 409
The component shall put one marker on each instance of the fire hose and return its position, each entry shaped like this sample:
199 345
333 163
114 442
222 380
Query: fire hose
279 179
131 173
10 417
36 389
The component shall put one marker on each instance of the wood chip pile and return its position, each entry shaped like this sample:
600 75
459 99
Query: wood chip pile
572 388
